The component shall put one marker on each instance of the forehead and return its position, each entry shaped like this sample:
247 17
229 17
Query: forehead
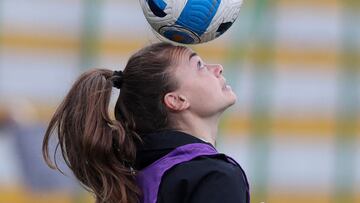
181 57
184 58
181 53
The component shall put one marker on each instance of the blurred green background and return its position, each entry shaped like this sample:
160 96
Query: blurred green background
295 66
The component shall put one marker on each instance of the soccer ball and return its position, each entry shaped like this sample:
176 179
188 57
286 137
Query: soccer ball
191 21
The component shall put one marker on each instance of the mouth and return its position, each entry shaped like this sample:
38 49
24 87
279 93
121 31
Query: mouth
226 86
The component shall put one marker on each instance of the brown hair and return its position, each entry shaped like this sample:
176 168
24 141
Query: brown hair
101 151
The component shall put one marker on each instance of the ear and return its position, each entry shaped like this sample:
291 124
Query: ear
176 102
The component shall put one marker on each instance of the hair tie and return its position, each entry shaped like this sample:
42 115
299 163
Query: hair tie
118 79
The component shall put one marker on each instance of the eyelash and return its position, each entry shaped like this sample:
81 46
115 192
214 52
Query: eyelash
200 65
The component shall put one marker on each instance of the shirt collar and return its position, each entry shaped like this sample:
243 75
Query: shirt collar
167 139
158 144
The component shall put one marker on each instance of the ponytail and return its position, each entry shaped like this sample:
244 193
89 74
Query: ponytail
98 150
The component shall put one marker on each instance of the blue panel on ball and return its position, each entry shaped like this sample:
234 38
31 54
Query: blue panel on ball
198 14
157 7
179 36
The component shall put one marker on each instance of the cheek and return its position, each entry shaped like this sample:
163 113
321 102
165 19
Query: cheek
200 88
203 93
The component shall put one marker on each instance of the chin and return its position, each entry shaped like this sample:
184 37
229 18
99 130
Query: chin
231 101
232 98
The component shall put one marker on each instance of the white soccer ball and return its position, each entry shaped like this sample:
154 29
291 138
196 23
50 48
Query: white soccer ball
191 21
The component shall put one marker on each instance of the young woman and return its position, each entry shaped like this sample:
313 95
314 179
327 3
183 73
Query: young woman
160 146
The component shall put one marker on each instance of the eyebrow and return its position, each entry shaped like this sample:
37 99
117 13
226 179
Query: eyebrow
192 55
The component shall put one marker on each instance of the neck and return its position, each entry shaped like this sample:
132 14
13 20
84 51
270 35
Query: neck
205 129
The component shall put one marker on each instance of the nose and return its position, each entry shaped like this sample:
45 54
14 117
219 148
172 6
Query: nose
217 69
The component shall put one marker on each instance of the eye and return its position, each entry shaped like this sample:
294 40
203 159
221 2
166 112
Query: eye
200 65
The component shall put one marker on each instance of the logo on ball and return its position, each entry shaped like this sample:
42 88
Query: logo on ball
179 34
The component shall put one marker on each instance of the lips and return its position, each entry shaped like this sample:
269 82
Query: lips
225 85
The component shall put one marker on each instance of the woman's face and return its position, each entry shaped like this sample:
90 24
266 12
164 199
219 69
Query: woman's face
203 85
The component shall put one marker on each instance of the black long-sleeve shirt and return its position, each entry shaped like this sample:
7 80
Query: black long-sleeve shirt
201 180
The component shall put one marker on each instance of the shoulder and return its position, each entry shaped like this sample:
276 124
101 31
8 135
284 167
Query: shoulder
203 165
211 169
203 176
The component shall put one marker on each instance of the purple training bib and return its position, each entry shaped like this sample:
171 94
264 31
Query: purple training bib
149 178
